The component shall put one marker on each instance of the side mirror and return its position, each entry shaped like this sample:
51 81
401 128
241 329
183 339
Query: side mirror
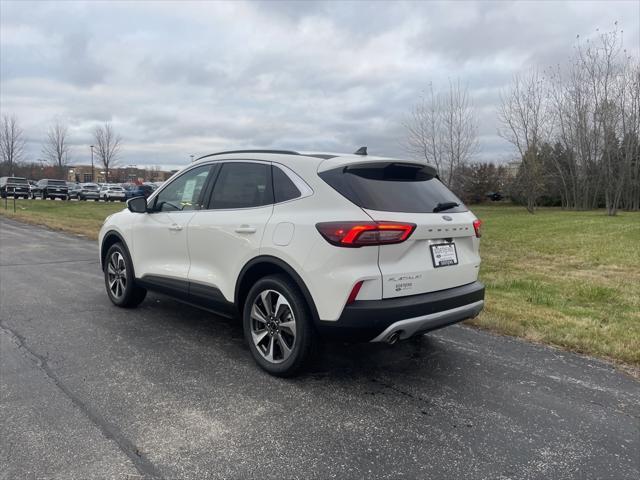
137 205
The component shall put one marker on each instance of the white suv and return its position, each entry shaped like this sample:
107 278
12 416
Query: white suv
300 246
109 193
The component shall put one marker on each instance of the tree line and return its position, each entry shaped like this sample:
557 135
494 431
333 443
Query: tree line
56 148
575 128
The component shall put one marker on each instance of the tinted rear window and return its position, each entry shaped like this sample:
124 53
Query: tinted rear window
242 185
16 180
58 182
392 187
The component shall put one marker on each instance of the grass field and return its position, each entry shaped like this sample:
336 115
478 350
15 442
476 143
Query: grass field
82 218
570 279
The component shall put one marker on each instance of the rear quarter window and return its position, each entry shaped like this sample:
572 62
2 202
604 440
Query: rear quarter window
283 188
392 187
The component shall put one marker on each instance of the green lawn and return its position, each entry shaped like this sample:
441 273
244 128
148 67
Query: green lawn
82 218
570 279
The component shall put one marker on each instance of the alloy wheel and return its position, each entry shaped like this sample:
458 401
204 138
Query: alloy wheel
273 326
117 275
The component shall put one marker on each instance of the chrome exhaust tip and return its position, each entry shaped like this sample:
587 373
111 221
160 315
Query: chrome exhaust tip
393 338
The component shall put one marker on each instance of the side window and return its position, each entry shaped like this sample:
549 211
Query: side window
283 188
242 185
183 193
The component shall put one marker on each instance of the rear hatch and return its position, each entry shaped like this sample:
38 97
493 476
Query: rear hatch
442 251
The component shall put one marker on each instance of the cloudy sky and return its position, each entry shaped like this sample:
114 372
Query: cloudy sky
190 78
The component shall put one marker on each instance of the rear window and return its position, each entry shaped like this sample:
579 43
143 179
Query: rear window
393 187
58 182
17 180
242 185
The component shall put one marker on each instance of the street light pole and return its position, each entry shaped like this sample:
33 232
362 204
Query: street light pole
93 178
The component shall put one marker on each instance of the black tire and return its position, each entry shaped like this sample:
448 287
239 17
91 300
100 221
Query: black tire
43 196
132 295
303 344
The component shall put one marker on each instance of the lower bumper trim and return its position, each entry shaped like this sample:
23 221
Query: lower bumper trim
404 329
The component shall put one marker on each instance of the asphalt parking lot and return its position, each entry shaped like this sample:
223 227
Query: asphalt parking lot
168 391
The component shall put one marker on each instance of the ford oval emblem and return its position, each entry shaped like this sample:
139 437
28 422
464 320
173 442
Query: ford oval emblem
447 218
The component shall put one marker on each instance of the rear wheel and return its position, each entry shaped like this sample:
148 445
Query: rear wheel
119 278
278 326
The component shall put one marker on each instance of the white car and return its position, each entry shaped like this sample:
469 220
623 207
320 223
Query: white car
109 193
301 246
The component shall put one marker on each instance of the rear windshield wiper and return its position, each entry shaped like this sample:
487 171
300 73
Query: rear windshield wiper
445 206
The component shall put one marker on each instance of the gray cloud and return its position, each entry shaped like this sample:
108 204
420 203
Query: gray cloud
182 78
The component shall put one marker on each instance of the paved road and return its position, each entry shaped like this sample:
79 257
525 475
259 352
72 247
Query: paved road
167 391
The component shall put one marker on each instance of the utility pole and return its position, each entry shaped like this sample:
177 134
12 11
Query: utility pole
93 178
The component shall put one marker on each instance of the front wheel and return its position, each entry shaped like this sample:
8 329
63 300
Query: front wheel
119 279
278 326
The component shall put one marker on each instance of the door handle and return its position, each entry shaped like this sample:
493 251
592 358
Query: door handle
175 227
245 229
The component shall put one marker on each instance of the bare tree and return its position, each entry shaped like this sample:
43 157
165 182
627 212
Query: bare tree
442 129
524 116
460 129
56 148
107 144
11 143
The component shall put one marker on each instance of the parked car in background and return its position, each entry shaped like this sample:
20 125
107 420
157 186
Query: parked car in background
50 188
14 187
301 245
139 191
89 191
110 193
153 185
74 190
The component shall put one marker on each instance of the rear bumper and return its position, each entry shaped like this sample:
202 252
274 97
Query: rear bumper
377 320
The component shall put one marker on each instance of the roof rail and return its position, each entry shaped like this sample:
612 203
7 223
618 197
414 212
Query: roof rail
281 152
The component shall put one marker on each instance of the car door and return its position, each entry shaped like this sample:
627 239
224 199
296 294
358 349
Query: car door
228 233
160 236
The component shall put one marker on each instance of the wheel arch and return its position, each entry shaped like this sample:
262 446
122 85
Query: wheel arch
110 238
262 266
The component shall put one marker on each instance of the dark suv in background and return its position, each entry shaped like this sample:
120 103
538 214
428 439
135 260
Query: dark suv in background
48 188
14 187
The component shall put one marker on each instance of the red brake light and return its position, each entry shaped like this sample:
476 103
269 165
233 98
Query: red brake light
476 226
358 234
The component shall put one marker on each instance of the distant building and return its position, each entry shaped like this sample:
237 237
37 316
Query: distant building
512 168
128 174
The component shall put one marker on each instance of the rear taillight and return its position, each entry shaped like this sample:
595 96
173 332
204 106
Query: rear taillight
360 234
476 226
